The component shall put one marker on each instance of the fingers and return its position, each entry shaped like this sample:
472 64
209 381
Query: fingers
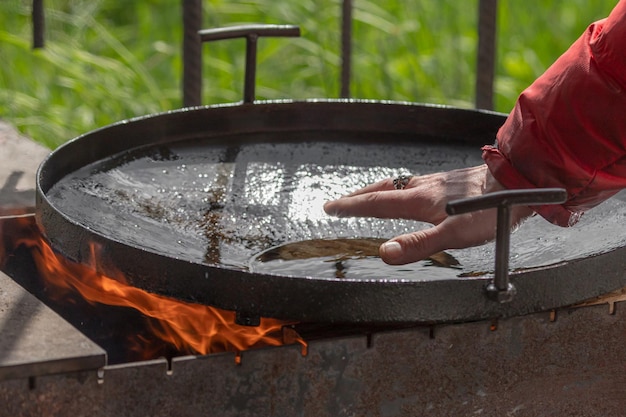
383 204
416 201
360 203
423 198
410 247
455 232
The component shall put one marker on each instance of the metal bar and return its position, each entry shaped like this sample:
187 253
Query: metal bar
485 63
251 33
192 53
207 35
250 75
503 237
346 48
500 289
508 197
38 24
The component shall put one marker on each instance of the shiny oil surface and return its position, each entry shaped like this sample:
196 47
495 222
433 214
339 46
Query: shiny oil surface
224 204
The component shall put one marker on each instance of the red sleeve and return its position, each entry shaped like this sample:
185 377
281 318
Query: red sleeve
568 129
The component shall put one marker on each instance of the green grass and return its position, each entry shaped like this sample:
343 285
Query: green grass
107 60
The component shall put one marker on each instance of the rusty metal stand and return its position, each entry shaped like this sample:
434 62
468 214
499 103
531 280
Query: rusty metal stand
192 51
346 48
485 62
545 364
38 24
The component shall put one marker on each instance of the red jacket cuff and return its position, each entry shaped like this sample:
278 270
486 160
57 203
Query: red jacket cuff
568 129
510 178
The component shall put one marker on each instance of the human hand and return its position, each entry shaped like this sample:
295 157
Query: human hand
424 199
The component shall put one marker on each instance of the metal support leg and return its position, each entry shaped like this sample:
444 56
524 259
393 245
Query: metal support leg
346 48
501 289
251 33
192 53
485 62
38 24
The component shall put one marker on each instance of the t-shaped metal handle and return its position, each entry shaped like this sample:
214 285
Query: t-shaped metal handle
251 33
500 289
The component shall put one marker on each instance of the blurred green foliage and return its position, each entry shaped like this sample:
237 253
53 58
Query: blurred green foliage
107 60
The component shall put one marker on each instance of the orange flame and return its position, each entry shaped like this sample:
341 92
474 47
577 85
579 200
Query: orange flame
188 327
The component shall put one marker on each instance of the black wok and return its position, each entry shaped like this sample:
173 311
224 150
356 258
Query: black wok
183 203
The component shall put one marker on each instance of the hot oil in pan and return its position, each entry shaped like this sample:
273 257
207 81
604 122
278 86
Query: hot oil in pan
223 205
343 258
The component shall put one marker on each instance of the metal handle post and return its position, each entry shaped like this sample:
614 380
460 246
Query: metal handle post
251 33
501 289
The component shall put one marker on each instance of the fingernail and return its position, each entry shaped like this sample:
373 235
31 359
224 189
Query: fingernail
328 208
392 249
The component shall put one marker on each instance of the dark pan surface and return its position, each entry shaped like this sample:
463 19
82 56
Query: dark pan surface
213 201
191 206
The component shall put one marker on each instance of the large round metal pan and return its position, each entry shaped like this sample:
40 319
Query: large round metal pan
182 202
